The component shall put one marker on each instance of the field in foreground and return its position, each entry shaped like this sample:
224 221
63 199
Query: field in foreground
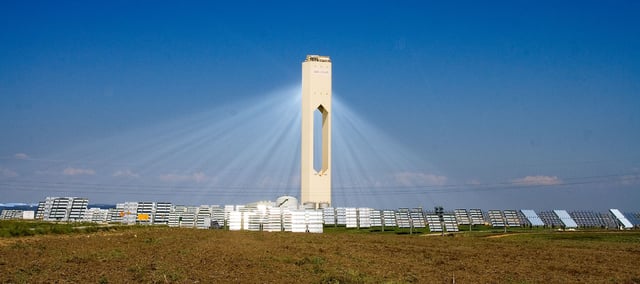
167 255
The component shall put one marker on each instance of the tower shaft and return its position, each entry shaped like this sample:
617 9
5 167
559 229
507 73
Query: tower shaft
315 184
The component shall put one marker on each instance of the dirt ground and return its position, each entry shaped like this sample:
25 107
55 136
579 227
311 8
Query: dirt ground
168 255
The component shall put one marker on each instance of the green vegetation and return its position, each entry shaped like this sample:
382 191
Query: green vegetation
585 236
21 228
483 229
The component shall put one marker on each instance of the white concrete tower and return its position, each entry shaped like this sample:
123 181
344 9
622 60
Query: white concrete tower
315 184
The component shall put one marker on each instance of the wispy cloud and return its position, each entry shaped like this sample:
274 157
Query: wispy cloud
78 172
417 178
21 156
198 177
631 179
537 180
7 173
126 174
473 182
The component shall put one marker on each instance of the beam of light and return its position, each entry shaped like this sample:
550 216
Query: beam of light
369 166
240 152
249 148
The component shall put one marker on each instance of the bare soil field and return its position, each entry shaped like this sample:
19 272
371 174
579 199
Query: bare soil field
168 255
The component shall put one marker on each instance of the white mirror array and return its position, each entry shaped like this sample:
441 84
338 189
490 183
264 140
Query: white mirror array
286 215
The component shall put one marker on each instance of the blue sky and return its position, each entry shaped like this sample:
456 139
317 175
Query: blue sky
512 104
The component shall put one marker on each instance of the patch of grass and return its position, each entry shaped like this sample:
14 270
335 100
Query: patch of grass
138 272
171 276
350 276
23 228
377 230
586 236
315 262
150 240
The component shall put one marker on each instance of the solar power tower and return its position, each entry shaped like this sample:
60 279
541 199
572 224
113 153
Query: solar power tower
315 183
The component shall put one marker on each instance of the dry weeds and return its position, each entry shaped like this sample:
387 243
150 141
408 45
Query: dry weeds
166 255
